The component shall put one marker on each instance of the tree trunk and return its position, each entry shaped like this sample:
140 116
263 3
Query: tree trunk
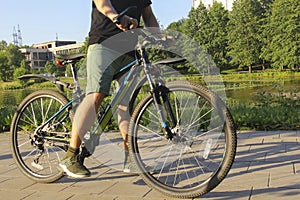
250 69
263 65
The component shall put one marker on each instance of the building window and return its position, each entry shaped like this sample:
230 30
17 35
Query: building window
34 56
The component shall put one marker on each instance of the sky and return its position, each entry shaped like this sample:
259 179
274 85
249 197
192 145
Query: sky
44 20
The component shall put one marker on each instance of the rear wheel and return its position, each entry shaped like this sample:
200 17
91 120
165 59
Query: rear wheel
38 150
202 151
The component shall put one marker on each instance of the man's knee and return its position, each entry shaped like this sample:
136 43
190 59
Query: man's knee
95 98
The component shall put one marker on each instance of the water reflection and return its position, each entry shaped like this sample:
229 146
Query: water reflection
243 91
13 97
246 91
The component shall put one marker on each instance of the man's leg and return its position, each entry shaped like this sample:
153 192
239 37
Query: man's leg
123 122
100 72
83 120
84 117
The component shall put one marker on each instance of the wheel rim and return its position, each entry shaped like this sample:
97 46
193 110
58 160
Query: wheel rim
37 156
195 156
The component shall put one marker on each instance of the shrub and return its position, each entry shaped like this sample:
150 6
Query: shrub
272 111
6 115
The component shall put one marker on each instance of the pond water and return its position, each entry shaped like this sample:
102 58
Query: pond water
247 91
13 97
243 92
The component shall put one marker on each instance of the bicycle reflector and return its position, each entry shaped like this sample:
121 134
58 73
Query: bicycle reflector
59 63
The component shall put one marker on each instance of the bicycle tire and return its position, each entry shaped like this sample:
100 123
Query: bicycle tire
201 154
36 156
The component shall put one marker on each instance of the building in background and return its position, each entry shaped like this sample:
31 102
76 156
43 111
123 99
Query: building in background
37 58
208 3
39 54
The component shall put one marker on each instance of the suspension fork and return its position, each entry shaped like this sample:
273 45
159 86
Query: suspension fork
160 93
164 93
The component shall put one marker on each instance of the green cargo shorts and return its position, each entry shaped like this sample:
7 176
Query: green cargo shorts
102 64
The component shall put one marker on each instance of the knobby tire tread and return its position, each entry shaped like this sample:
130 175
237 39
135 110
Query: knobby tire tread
26 101
231 143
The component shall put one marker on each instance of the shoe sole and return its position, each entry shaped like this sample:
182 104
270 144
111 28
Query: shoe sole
69 173
130 171
126 170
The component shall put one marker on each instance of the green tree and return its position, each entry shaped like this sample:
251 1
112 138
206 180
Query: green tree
208 28
11 59
14 55
19 72
177 26
3 45
50 67
217 34
3 66
266 4
282 33
22 70
243 33
196 28
25 65
264 36
84 48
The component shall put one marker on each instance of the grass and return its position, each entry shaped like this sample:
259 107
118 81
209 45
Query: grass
279 109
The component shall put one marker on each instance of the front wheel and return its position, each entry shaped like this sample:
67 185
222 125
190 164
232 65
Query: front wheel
38 150
202 150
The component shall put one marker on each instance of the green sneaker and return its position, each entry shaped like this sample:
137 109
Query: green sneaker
74 168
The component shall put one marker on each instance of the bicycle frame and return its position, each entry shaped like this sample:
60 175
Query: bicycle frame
157 88
104 120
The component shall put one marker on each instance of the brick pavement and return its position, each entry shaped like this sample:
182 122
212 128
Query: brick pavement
267 166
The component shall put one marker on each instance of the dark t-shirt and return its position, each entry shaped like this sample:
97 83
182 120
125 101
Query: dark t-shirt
103 28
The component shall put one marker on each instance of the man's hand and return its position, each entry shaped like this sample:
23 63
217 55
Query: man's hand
106 8
127 23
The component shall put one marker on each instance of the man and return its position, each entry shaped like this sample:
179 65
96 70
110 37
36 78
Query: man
101 67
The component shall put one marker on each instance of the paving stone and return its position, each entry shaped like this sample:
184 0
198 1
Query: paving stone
50 187
11 172
239 194
153 194
122 189
91 197
14 195
271 167
239 167
267 166
283 180
275 193
16 184
44 195
296 166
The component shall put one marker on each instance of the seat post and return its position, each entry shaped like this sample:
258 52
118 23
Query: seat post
74 75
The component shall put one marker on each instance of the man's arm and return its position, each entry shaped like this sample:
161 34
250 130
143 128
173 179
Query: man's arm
149 17
107 9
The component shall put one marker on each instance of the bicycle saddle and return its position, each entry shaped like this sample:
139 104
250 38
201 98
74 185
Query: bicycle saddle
72 57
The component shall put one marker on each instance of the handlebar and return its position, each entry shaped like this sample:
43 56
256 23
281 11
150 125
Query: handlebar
150 39
155 38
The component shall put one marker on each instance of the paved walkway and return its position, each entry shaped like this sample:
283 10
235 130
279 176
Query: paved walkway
267 166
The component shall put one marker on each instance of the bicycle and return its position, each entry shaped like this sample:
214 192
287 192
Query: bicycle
182 137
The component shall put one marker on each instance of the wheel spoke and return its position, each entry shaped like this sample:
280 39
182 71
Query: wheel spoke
197 151
38 152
